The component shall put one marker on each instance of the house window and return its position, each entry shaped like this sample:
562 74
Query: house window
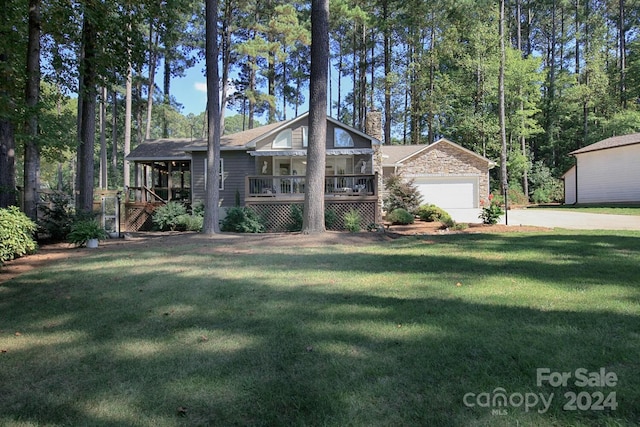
342 138
221 174
305 136
283 140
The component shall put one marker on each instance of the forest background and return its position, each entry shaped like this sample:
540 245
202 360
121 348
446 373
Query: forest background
79 84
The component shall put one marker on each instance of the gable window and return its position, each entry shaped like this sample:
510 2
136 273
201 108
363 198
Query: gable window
221 174
283 140
305 136
342 138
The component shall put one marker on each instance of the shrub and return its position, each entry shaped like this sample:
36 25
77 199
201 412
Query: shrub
403 194
57 219
432 213
491 212
242 220
86 229
352 221
459 226
545 187
166 217
16 234
330 218
297 218
400 216
188 222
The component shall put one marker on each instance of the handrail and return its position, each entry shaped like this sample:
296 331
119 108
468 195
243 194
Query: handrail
150 191
288 185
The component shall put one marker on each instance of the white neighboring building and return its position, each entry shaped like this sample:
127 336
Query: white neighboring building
605 172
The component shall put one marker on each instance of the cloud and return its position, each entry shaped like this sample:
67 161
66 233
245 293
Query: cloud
200 87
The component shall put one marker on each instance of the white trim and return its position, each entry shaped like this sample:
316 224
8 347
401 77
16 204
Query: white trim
223 176
336 139
283 139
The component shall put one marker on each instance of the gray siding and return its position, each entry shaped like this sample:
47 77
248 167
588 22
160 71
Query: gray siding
237 165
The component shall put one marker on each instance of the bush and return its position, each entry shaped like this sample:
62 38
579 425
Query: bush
491 212
352 221
166 217
16 234
403 194
400 216
188 222
545 187
242 220
57 220
330 218
432 213
86 229
297 218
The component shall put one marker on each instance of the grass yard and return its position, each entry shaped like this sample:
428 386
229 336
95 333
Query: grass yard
436 331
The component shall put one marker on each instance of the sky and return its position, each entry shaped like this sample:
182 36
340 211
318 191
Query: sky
191 90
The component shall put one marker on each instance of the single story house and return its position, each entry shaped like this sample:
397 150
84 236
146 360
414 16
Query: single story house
446 174
263 168
605 172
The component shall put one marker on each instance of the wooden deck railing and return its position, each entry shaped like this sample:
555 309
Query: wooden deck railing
293 186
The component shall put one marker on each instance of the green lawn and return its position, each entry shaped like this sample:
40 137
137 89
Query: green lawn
409 332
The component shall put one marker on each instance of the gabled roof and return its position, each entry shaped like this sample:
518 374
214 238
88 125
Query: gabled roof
396 155
613 142
249 138
178 148
165 149
240 140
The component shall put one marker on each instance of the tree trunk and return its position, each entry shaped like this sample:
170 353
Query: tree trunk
84 199
153 49
166 95
387 73
623 55
128 101
226 60
211 215
313 220
32 95
103 139
7 164
114 138
504 185
252 88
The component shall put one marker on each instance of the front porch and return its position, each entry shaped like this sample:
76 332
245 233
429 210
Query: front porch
292 187
272 197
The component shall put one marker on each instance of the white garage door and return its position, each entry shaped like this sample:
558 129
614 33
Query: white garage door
449 192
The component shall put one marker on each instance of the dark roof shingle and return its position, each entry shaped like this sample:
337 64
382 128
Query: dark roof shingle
613 142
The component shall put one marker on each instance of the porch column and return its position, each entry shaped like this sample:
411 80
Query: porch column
169 180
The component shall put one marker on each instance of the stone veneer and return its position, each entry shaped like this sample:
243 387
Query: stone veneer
445 159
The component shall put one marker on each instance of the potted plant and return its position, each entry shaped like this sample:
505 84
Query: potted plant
86 232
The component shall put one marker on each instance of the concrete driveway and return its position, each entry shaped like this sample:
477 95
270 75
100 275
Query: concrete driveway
571 220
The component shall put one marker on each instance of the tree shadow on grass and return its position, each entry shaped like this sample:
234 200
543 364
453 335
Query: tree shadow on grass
131 349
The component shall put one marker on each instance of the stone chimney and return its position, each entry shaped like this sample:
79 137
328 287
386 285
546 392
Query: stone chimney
373 124
373 128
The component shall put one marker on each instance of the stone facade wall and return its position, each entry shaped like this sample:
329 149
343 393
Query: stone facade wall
444 159
373 128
